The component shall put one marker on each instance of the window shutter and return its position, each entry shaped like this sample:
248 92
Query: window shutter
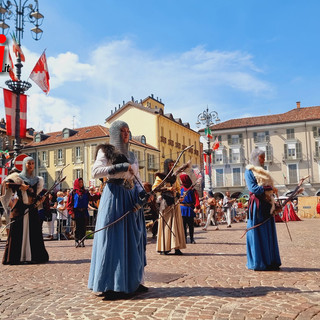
224 154
267 136
255 137
240 138
229 138
213 157
48 161
285 151
93 152
81 173
317 149
74 172
74 155
55 157
63 156
298 150
315 132
242 155
230 155
81 153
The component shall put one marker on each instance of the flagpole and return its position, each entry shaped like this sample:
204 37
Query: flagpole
206 118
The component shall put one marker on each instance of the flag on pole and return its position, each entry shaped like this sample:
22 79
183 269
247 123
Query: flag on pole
207 132
40 74
11 69
216 144
17 49
10 103
3 174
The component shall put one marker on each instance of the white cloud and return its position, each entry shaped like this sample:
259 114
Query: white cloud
186 82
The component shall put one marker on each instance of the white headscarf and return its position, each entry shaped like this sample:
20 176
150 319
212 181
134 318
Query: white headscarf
30 179
254 158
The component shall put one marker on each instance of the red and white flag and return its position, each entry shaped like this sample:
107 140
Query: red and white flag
3 174
216 144
10 103
17 49
11 69
40 74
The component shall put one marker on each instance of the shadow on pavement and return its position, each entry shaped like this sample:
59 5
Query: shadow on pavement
215 254
297 269
69 261
155 293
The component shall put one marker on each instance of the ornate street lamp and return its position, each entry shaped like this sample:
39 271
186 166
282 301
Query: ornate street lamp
20 12
206 118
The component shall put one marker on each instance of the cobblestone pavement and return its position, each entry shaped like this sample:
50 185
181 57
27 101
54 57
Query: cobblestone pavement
210 281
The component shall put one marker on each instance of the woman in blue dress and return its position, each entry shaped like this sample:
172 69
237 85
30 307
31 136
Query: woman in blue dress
262 243
118 253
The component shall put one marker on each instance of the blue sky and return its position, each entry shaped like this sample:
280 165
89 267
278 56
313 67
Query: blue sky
238 57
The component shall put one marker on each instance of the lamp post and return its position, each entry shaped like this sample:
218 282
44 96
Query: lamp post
206 118
20 12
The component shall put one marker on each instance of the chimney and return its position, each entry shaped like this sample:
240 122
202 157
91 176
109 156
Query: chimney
298 104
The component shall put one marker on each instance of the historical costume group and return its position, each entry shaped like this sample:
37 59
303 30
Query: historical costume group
262 243
19 193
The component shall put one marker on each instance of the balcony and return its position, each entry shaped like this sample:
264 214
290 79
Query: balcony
196 152
170 142
178 145
184 146
190 150
163 139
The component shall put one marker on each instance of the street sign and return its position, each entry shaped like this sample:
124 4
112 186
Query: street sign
19 160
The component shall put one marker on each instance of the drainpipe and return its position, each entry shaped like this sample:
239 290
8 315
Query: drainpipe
306 136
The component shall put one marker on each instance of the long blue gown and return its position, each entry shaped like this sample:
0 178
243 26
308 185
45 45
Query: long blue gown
118 253
262 243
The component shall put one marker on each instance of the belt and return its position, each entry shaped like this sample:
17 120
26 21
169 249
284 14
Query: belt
186 204
128 184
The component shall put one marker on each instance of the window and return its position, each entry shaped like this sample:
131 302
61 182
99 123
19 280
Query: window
60 156
44 175
151 162
137 155
37 137
77 173
234 138
219 178
236 176
143 140
218 156
290 134
78 154
234 155
293 173
292 151
162 132
65 133
261 136
44 156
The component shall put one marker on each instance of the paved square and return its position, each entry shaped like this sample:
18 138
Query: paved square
210 281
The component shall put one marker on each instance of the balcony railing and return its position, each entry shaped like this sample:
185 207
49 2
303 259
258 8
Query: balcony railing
170 142
178 145
163 139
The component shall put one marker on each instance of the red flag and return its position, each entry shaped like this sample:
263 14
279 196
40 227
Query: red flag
10 102
8 164
11 69
3 174
40 74
17 49
216 144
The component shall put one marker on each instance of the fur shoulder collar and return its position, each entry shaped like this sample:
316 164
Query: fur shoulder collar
262 176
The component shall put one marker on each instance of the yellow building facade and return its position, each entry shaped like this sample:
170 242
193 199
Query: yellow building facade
166 133
74 150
